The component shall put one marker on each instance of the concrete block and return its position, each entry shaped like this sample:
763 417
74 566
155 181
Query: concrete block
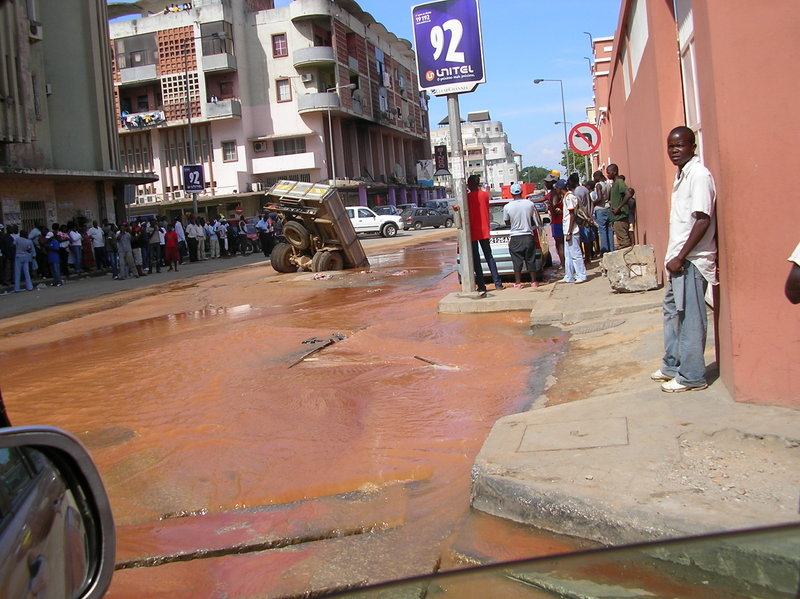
631 269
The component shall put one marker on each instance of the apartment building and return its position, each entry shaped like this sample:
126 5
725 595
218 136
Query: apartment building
597 114
263 83
58 140
720 68
487 151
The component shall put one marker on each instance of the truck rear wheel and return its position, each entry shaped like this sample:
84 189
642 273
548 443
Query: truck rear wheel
325 260
280 258
297 235
389 230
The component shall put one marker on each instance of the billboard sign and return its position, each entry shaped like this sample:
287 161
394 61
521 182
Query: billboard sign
425 173
449 46
194 180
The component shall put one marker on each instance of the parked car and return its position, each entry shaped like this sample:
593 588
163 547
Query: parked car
425 217
444 206
387 210
498 230
365 220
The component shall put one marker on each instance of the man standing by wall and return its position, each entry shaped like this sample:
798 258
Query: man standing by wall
602 212
619 207
691 263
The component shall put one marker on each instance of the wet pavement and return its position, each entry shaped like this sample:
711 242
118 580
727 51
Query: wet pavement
232 475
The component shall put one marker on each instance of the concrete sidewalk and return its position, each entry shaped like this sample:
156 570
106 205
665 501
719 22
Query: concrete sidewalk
605 455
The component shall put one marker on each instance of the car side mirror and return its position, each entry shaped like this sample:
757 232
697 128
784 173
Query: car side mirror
58 520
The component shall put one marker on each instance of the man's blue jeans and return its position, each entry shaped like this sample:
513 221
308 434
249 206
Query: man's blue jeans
486 246
22 266
685 327
113 257
602 217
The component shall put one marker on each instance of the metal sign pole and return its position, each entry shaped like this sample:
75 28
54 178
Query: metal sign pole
460 194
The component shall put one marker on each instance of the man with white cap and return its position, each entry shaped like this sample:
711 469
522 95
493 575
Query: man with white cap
522 216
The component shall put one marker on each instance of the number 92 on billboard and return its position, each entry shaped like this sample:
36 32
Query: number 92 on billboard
447 39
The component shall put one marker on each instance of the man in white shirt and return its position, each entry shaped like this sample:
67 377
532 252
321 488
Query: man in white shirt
213 240
522 217
201 239
793 280
98 245
191 238
574 266
691 262
183 250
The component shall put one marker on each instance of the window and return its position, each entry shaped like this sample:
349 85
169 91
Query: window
637 35
362 213
292 145
136 50
15 476
691 95
229 151
142 103
284 90
280 47
225 89
37 106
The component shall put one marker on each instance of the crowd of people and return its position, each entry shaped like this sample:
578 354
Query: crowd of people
132 249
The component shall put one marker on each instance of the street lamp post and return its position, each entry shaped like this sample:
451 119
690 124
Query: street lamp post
190 154
563 114
330 127
569 162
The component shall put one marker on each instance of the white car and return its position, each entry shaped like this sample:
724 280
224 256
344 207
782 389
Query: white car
365 220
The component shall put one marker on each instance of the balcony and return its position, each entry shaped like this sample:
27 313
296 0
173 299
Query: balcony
138 75
318 102
310 9
313 56
219 63
224 109
284 164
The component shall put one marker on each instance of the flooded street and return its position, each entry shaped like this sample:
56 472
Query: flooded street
233 475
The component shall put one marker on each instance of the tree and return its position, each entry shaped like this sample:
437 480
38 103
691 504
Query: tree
577 164
533 174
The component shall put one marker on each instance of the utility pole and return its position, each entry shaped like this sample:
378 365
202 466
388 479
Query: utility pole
189 118
460 193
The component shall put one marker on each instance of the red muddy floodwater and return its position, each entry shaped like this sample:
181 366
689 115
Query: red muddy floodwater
207 440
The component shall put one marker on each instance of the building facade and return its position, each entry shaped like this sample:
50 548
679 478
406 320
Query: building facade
720 68
59 153
262 85
487 151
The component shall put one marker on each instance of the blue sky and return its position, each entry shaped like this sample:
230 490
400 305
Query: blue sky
524 40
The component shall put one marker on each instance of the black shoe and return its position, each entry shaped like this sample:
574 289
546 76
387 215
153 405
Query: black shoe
481 289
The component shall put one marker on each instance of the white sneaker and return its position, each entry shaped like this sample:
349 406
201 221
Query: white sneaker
566 280
674 386
660 376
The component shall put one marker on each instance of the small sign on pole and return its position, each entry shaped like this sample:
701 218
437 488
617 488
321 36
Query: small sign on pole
440 160
194 180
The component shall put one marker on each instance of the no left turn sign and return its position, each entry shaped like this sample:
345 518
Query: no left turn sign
584 139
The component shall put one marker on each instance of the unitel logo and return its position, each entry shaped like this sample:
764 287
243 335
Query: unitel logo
430 75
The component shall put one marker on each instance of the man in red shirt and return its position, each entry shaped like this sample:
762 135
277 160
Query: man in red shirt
478 201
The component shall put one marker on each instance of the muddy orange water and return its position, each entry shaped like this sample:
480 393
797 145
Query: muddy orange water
249 478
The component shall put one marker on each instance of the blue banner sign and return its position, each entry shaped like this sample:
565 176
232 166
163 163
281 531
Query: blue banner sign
449 46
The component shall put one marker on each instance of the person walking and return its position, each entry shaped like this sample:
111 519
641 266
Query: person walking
602 212
155 248
138 242
213 239
75 248
125 249
98 245
478 202
23 256
574 266
522 217
172 255
53 258
690 262
618 203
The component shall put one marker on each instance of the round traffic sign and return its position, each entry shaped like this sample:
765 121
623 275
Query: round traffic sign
584 139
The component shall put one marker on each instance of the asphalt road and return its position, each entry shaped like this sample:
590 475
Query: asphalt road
13 304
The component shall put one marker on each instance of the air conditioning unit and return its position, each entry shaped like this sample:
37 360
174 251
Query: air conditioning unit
36 31
150 199
177 195
307 78
259 147
257 186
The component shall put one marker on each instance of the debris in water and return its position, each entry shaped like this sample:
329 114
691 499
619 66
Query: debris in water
321 276
400 273
436 364
320 343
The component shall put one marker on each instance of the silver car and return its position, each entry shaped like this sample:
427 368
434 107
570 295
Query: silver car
499 238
